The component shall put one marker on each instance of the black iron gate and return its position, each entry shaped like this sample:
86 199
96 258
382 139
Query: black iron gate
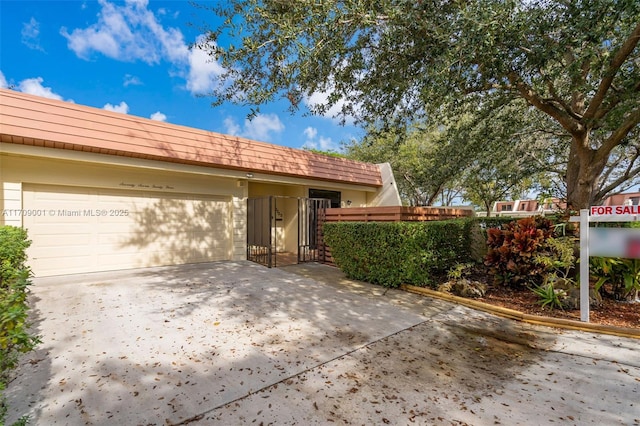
310 219
263 215
260 224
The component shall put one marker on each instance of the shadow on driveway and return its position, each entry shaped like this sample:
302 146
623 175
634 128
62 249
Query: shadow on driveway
234 342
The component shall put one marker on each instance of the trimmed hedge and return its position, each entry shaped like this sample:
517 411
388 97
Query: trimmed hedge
14 280
394 253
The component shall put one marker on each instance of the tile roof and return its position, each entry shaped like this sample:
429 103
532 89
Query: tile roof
33 120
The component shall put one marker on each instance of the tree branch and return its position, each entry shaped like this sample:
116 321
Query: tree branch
620 57
561 116
613 185
623 130
546 166
629 172
569 109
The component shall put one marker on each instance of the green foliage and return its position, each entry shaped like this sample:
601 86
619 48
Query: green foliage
397 253
512 251
460 270
558 259
548 296
420 158
572 66
13 255
558 255
478 236
14 280
329 153
500 165
623 276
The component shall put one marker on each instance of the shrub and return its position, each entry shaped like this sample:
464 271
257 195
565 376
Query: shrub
548 296
559 289
558 255
394 253
512 251
622 276
14 280
616 278
478 235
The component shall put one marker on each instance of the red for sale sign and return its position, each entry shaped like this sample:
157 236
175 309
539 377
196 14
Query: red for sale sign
614 210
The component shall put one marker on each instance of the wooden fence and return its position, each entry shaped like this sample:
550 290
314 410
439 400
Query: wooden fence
395 214
385 214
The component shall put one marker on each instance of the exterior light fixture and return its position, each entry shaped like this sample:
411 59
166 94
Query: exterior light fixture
249 175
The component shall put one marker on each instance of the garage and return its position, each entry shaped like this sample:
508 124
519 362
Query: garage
78 229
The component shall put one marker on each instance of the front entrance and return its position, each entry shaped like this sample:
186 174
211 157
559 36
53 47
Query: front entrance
284 230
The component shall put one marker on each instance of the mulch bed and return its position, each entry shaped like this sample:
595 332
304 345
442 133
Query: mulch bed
612 312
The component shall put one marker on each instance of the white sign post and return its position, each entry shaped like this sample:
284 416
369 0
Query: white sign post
584 265
609 242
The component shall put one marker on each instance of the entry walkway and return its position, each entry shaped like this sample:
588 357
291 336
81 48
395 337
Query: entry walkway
238 343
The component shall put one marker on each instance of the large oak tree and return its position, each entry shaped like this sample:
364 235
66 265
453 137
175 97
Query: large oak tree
394 61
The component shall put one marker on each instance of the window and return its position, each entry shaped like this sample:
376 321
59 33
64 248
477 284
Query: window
523 206
635 201
506 207
333 196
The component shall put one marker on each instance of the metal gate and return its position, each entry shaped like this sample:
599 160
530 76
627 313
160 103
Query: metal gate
311 212
263 215
260 222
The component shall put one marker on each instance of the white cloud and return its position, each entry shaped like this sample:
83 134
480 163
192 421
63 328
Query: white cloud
203 70
322 143
158 116
259 128
33 86
131 80
122 108
3 81
128 32
320 98
31 34
231 127
310 132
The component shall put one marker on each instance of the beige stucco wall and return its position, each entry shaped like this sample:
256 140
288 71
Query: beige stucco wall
17 170
387 194
10 202
72 173
22 165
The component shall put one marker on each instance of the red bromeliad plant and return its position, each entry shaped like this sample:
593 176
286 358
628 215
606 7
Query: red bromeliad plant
512 250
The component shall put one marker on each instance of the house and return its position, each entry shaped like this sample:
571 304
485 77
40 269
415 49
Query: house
525 208
100 191
624 199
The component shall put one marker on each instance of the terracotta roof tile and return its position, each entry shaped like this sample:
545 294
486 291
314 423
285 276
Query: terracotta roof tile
33 120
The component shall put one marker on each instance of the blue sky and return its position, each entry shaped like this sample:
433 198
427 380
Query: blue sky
133 57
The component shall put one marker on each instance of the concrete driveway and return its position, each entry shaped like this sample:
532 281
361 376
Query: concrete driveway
236 343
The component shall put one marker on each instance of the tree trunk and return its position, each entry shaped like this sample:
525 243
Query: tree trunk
583 171
488 207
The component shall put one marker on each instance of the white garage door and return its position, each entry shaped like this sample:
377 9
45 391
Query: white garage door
87 229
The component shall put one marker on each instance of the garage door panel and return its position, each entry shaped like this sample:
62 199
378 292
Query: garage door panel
59 196
124 261
70 264
119 229
78 239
